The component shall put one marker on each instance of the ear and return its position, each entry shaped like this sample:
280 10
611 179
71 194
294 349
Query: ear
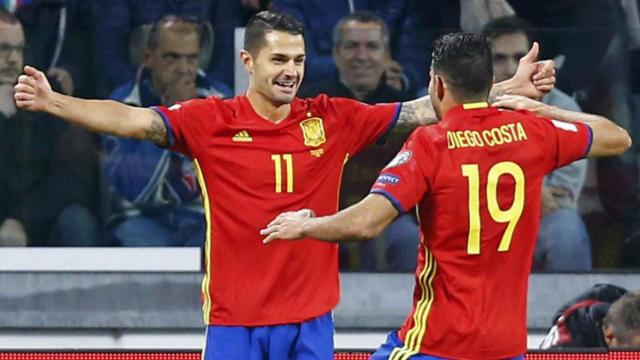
247 60
440 87
609 337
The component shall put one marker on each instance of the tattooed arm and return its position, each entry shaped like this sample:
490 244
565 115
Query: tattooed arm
420 111
33 93
532 79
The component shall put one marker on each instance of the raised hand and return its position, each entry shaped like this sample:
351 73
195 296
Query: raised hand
33 91
287 226
533 78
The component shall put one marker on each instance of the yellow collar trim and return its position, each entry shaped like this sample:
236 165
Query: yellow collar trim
475 105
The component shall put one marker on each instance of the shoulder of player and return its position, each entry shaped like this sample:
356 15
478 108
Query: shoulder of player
427 136
525 116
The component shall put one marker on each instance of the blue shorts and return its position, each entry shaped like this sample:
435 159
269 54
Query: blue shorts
393 341
310 340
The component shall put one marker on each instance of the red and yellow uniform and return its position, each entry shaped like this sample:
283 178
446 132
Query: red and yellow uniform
251 170
476 177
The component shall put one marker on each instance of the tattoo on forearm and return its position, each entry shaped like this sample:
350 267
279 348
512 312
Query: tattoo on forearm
157 132
415 113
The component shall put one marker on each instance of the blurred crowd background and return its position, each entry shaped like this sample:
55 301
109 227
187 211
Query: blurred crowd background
62 186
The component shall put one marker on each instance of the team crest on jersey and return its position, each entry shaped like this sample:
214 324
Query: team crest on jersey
313 132
401 158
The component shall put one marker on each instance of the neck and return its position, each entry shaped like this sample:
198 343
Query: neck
449 102
267 108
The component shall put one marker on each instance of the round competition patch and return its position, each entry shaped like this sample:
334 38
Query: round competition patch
401 158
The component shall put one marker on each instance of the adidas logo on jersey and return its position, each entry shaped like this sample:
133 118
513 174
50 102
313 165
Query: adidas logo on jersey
242 136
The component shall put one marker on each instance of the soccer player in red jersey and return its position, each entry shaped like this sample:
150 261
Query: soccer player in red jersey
258 155
476 178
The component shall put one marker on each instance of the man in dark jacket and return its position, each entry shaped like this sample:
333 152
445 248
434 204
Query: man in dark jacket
47 168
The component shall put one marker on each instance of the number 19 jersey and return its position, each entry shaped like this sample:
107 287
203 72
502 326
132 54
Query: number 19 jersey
251 170
476 177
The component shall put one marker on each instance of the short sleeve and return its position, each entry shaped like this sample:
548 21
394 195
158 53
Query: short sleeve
187 123
366 124
572 141
404 181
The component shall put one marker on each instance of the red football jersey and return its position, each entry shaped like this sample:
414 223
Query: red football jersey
476 177
251 170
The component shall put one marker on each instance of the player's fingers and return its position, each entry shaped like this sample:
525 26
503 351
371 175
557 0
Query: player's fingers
270 238
547 68
269 229
23 104
275 221
27 80
545 88
24 88
547 80
532 55
31 71
23 96
505 103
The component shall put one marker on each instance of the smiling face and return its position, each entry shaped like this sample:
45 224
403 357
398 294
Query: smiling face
361 55
276 71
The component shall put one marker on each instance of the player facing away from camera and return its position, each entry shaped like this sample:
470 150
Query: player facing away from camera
476 178
258 155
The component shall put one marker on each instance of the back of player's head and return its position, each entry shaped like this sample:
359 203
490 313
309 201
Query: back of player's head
267 21
464 61
506 25
623 318
363 17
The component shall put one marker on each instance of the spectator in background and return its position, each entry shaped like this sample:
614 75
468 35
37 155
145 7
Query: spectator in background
603 316
408 43
121 25
154 191
47 168
361 53
55 30
563 242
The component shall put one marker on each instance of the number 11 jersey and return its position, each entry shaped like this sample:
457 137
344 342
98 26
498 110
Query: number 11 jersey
251 170
476 177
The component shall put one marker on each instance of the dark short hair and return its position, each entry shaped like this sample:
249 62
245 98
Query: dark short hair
154 32
624 317
267 21
7 17
464 60
507 25
363 16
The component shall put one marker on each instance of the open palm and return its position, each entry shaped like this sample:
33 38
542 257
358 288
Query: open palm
33 91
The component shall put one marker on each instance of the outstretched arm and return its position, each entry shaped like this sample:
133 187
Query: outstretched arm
609 139
33 93
362 221
532 79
